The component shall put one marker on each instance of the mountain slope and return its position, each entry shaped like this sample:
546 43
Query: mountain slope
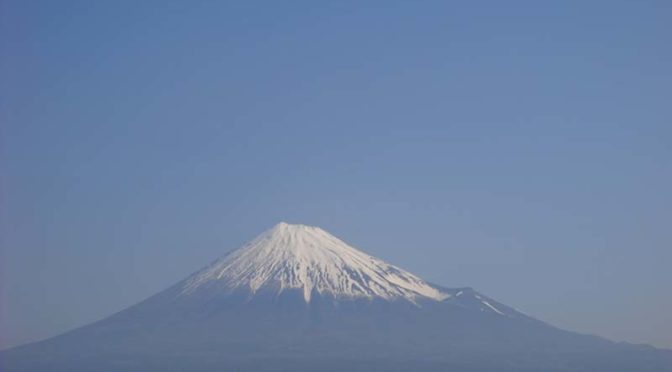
298 299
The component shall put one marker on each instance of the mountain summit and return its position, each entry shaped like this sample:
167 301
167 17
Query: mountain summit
310 259
298 299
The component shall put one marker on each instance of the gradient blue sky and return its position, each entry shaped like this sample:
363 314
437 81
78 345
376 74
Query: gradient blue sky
522 148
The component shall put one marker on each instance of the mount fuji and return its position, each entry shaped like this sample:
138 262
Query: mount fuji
296 298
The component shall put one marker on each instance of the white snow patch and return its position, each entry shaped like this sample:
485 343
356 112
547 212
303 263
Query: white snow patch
486 303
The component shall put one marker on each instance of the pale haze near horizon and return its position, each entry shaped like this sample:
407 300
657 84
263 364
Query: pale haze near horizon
522 149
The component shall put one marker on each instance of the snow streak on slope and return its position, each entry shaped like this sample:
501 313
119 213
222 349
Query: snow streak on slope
308 258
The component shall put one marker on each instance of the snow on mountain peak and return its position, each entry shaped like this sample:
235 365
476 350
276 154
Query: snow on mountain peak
307 258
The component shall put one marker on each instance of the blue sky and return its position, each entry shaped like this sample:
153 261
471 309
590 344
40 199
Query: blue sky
521 148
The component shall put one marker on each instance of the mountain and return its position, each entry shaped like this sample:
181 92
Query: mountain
296 298
305 258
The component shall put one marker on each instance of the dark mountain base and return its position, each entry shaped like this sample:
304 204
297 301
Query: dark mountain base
284 334
212 364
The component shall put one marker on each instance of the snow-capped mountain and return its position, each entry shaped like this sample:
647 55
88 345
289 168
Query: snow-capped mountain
310 259
298 299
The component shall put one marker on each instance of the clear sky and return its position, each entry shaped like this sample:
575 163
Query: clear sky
521 148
